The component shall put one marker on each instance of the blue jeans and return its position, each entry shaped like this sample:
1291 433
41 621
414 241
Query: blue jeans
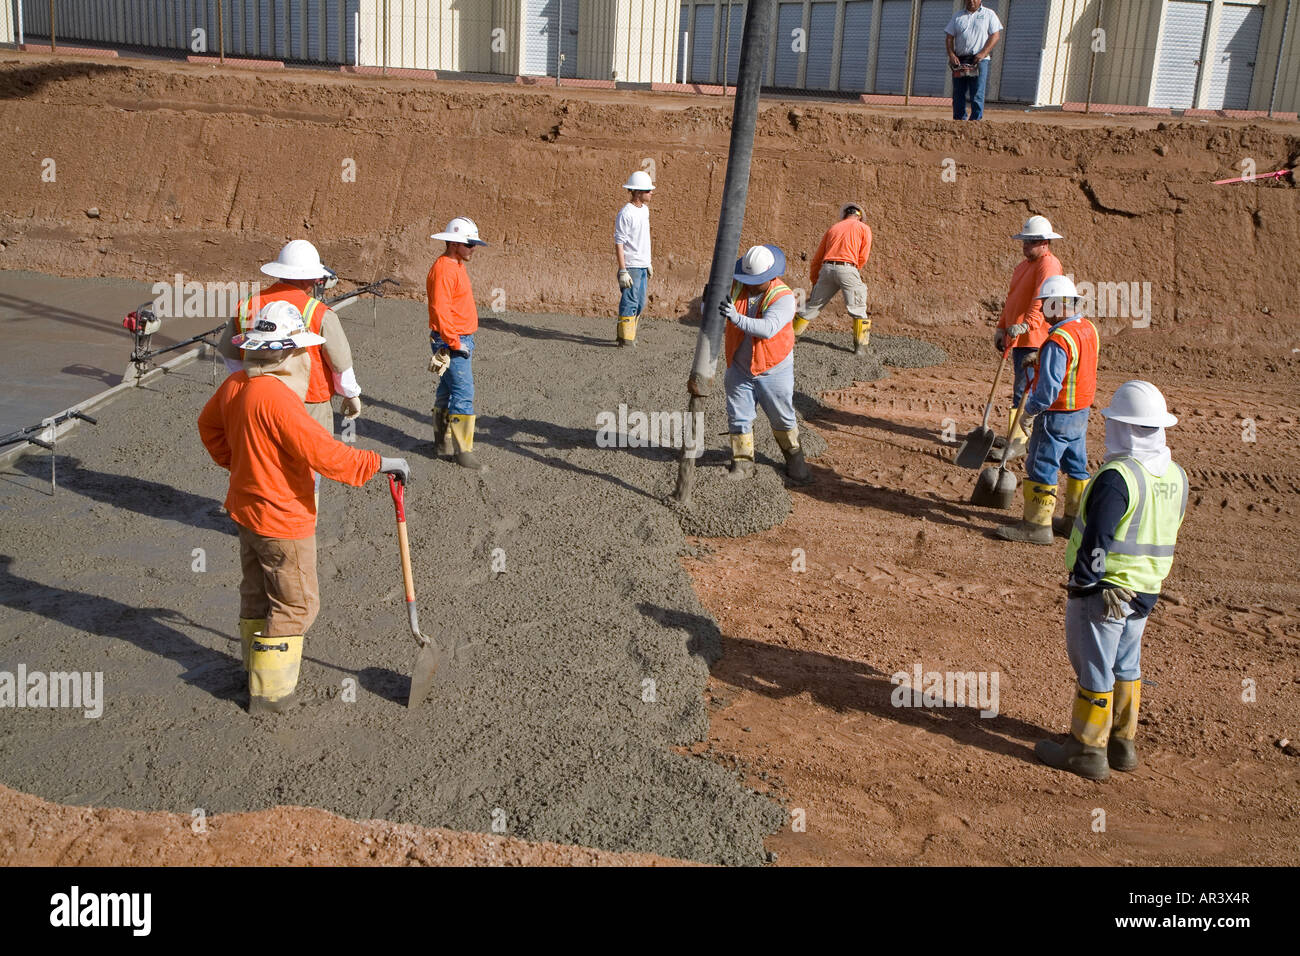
974 87
1102 651
1023 374
773 390
632 301
456 387
1059 443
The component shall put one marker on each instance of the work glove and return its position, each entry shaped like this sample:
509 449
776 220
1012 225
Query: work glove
1114 600
1017 330
1000 340
396 467
351 408
1030 360
624 279
440 362
649 272
726 309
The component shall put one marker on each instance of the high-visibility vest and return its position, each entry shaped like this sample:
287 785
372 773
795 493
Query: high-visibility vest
1079 338
767 352
313 311
1143 550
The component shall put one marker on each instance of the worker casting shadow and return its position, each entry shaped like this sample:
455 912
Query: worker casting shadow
703 638
217 673
845 418
859 494
373 401
839 684
498 323
152 499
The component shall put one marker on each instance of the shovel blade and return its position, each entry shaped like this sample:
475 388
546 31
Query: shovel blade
995 488
431 658
974 450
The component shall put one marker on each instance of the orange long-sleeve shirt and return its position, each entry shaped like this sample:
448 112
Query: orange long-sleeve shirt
1021 305
849 240
451 300
260 431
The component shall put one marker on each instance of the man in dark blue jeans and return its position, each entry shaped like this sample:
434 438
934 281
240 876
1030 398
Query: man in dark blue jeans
970 37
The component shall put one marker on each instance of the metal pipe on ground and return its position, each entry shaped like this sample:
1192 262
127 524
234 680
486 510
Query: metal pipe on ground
754 43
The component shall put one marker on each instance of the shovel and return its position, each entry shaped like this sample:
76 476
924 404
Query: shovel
431 655
996 487
975 448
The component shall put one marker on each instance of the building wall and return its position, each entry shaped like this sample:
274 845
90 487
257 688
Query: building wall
452 35
8 24
644 41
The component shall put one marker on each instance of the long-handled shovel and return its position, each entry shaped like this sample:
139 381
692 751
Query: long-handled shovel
431 654
974 450
996 487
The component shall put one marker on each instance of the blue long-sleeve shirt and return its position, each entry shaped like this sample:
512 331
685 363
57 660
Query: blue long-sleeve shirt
1107 502
1052 365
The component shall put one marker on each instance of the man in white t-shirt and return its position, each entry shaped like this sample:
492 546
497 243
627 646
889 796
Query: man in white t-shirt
971 36
632 250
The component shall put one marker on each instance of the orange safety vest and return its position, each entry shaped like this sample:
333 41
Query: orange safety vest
313 311
1079 338
767 352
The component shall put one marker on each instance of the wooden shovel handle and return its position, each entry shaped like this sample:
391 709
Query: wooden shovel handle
988 407
404 546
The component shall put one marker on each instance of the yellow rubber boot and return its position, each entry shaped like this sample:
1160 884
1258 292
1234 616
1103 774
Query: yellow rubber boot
795 465
1084 751
861 335
1036 528
627 331
462 439
1121 750
273 668
441 432
248 626
1019 435
799 324
1073 495
742 456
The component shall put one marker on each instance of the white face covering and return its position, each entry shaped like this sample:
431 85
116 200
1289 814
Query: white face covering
1146 444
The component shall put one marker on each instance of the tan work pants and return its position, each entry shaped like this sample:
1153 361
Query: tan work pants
279 582
838 277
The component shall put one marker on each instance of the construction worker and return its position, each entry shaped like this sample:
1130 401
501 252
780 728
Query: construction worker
299 275
453 320
632 250
256 427
1121 549
1021 325
837 267
1065 380
759 347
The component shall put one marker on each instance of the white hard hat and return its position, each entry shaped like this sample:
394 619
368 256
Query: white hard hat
844 210
297 260
1139 403
1036 227
1057 287
640 181
759 264
278 325
460 230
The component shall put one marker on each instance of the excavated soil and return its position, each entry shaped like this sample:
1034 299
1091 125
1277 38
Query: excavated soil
541 719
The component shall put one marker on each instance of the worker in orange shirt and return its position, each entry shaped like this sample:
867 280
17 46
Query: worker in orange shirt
299 275
837 267
1021 325
256 427
453 320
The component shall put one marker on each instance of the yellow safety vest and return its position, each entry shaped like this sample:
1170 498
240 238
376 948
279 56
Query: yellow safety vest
1142 553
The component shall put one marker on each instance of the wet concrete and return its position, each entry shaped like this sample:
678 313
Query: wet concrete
582 650
64 341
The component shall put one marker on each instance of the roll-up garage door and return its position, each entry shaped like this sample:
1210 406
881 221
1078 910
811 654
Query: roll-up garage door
1182 40
1022 51
821 46
855 47
702 45
790 42
1235 50
891 52
931 71
542 30
732 39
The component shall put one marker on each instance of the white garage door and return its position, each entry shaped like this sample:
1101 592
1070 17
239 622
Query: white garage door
545 37
931 69
1181 42
790 42
1022 51
1235 50
733 39
855 48
702 46
891 52
821 46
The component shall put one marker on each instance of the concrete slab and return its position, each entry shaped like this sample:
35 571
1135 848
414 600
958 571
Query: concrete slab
63 341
